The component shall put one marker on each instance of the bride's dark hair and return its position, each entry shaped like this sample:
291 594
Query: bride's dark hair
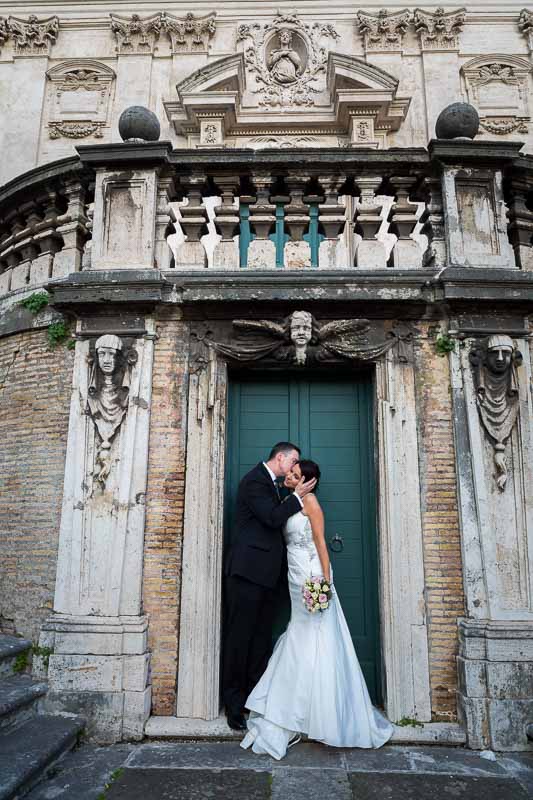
310 469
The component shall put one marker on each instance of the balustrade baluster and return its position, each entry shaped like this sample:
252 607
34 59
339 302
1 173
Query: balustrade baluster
262 251
193 222
521 223
433 224
297 252
226 253
164 222
406 253
332 252
371 252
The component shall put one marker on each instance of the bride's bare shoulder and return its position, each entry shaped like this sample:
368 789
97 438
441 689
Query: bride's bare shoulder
310 502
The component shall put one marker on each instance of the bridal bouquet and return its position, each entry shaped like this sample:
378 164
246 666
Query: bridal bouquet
316 593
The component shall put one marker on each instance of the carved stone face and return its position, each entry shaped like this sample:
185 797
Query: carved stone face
285 38
107 359
301 328
499 359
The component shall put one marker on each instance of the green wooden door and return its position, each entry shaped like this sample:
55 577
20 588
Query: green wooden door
332 423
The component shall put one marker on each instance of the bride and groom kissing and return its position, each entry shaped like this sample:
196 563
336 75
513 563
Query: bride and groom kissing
311 683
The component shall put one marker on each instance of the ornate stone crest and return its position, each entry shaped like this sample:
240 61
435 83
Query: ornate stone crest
496 382
300 340
440 30
78 99
498 87
287 59
108 398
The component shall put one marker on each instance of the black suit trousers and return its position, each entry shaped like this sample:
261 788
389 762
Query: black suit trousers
250 610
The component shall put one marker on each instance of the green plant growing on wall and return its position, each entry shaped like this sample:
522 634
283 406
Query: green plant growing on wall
21 663
444 344
42 652
409 722
58 333
35 302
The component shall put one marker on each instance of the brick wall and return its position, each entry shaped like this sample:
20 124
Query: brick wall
440 524
35 388
164 511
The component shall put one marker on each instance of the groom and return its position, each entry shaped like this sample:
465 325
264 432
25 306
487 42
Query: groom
252 571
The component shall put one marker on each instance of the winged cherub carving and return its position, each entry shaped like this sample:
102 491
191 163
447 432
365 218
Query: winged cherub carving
301 340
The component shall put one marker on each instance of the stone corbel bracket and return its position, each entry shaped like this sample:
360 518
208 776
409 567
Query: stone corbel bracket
31 37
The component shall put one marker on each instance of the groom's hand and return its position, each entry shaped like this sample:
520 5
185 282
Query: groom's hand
302 487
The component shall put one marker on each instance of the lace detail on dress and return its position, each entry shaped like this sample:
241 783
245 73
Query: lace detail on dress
298 533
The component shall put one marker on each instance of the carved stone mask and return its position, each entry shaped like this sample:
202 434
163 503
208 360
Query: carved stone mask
107 349
301 328
499 354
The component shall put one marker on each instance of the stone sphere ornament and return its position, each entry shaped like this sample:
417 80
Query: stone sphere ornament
457 121
139 124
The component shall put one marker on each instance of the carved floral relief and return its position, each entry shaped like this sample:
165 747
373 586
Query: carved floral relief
108 397
31 37
287 59
186 34
496 383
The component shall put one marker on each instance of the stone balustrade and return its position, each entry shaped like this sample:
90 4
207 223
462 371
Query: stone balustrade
134 207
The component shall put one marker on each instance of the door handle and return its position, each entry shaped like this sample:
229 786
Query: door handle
336 544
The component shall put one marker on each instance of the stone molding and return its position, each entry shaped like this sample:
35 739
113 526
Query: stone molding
31 36
188 34
439 30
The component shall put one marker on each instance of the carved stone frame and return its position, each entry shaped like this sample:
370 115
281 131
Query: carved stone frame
403 620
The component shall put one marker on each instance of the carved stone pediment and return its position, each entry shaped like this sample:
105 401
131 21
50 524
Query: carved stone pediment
498 86
221 105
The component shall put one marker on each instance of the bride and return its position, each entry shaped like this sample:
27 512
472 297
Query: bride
313 683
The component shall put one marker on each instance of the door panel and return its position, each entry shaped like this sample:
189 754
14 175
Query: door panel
332 423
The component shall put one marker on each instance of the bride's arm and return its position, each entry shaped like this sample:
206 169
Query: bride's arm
316 518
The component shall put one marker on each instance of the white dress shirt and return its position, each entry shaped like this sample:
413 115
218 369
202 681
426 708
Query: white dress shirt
274 480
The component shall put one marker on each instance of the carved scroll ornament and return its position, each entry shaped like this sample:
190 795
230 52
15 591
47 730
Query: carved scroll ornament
300 340
108 397
496 383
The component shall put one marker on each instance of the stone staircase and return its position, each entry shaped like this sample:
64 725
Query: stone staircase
30 743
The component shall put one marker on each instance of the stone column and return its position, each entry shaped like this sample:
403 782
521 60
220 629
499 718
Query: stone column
193 222
98 633
406 253
296 253
332 253
226 253
262 251
371 253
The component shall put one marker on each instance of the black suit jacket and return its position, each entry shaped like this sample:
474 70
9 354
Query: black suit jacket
256 550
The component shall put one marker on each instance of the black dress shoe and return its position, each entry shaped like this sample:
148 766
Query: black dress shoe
237 722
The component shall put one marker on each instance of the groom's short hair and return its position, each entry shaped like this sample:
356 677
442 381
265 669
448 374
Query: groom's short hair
283 447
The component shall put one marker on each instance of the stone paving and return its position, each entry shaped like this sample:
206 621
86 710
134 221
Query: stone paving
213 770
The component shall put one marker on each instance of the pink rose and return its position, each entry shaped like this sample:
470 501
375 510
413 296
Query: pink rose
322 598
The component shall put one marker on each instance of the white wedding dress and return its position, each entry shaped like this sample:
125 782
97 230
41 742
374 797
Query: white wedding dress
313 683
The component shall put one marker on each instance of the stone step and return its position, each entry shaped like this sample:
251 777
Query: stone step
18 694
28 752
12 650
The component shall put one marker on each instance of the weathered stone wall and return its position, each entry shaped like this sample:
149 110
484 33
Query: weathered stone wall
35 388
164 512
440 521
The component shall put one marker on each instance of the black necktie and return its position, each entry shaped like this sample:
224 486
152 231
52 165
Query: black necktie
276 486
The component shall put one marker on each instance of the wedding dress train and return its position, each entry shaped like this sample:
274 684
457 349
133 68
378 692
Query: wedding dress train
313 683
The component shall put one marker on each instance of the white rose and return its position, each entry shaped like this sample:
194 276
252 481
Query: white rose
316 586
314 595
323 605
